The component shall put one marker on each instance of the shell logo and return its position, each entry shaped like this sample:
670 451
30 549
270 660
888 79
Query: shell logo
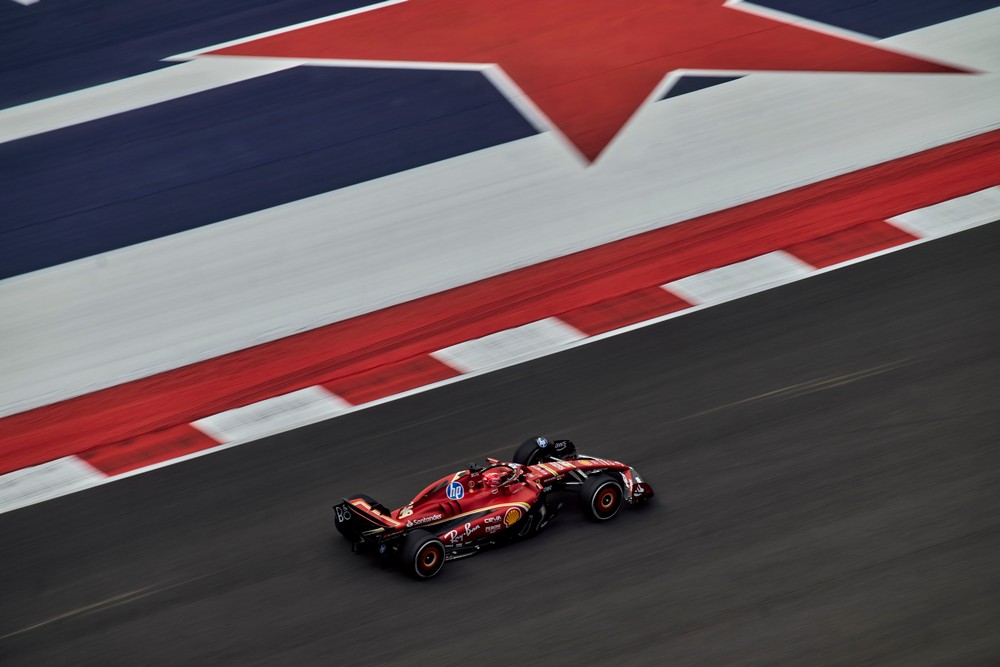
512 516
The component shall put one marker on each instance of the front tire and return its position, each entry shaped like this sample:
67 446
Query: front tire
528 453
422 554
601 497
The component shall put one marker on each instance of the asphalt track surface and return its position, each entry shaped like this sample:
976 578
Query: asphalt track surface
825 456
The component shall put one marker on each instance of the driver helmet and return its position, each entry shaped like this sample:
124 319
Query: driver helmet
494 477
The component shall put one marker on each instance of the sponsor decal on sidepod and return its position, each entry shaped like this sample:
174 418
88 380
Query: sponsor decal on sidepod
422 520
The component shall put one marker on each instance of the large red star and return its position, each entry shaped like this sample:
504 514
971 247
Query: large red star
586 64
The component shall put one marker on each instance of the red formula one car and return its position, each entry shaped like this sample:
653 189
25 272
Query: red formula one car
464 512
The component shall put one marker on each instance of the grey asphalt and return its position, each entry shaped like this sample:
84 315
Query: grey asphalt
827 467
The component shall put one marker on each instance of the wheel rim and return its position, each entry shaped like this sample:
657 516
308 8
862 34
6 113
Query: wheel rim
429 560
606 501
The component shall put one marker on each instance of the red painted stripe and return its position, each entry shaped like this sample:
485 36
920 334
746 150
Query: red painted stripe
415 328
391 379
618 312
148 449
851 243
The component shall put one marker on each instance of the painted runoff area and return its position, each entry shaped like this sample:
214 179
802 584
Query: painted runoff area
245 277
511 345
383 352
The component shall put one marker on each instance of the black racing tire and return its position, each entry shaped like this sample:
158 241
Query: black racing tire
601 497
422 554
528 453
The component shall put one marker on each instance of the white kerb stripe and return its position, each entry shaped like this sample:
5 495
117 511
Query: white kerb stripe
509 346
48 480
739 279
275 415
952 216
134 92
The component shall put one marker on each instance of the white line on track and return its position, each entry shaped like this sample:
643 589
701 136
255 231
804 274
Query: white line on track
305 24
107 603
132 93
803 388
101 605
826 29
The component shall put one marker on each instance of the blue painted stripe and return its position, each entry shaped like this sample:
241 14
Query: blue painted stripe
880 18
163 169
54 47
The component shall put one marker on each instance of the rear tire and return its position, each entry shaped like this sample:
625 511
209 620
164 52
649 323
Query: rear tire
601 497
422 554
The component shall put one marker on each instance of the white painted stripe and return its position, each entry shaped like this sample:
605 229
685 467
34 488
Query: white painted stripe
739 279
749 7
952 216
275 415
957 41
510 346
131 93
49 480
288 28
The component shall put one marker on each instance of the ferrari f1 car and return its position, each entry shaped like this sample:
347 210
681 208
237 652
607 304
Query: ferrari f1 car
482 506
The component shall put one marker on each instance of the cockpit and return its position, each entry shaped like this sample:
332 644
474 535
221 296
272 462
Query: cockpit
498 475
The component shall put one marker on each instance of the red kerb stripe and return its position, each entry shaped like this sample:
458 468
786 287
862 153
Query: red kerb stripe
148 449
618 312
850 243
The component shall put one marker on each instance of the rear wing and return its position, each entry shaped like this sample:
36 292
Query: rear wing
361 519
